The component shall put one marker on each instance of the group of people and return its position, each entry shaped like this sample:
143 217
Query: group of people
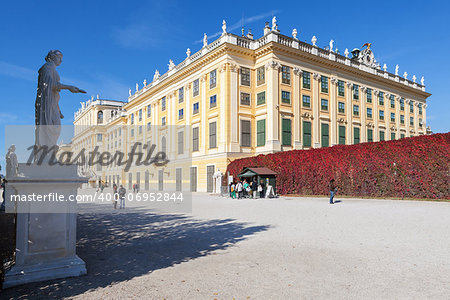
247 189
119 194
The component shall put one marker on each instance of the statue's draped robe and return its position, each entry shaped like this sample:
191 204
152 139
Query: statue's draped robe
48 115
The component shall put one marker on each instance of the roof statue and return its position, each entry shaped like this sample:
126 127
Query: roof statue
188 52
294 33
224 27
331 45
314 40
422 81
396 70
156 76
205 40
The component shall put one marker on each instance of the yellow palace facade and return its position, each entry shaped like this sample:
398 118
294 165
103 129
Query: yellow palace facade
239 96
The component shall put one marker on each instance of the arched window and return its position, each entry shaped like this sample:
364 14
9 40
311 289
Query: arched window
100 117
132 118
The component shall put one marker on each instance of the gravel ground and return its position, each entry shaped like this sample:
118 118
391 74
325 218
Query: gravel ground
287 248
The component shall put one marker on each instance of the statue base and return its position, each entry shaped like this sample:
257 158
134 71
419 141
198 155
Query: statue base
45 228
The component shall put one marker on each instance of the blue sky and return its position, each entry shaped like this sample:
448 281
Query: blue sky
109 46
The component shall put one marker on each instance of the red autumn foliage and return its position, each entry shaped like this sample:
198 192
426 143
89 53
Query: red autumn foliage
416 167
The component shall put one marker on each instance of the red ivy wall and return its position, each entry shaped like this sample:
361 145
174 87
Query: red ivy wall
416 167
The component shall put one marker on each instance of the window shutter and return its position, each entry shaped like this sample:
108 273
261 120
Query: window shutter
356 135
325 136
306 134
369 135
261 132
341 135
286 132
212 135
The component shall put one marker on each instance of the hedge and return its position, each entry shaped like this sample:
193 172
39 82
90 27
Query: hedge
416 167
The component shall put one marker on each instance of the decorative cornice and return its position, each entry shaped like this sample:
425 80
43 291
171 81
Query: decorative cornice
273 65
233 68
342 121
223 68
297 71
375 92
307 115
349 84
334 80
316 76
203 77
363 89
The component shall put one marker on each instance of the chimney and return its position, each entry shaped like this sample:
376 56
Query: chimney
266 28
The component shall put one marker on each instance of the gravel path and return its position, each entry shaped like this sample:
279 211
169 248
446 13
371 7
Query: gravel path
287 248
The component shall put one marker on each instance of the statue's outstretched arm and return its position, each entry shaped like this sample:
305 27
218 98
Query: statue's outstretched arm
71 88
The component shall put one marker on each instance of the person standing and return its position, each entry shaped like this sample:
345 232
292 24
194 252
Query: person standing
333 190
261 188
233 190
254 187
122 192
115 195
239 188
246 188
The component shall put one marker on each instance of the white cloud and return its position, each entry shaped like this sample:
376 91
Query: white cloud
7 117
135 36
16 71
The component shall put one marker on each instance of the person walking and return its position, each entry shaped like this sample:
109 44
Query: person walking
122 192
239 188
233 190
137 187
115 195
261 188
254 187
246 188
333 190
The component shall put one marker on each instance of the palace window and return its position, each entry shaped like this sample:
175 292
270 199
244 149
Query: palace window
324 104
306 134
180 94
132 119
100 117
180 142
245 133
245 76
163 121
261 132
212 101
369 95
356 110
411 120
260 75
381 112
392 117
286 74
306 80
392 136
132 132
325 135
420 123
261 98
99 137
411 107
324 84
369 135
149 126
341 88
212 79
195 108
286 97
355 92
341 135
245 99
180 114
402 119
381 135
212 135
356 138
420 108
286 132
369 113
140 115
149 111
306 101
341 107
140 129
195 88
195 139
402 135
381 98
163 103
402 104
392 98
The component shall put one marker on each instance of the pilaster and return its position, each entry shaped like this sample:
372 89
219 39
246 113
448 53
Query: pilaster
296 104
273 141
333 111
316 111
349 103
234 109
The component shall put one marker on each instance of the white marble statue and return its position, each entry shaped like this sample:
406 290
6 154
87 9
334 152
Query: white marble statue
205 40
217 181
137 87
171 65
47 101
385 67
274 23
405 75
346 53
129 92
145 82
12 165
422 81
314 40
224 27
156 76
188 52
414 78
396 70
331 45
294 33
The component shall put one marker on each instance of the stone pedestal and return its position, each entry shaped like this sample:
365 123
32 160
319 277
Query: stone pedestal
46 228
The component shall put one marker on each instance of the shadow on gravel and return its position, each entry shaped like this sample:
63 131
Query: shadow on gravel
119 246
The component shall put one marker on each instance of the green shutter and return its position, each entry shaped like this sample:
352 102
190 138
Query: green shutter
381 135
286 129
392 136
356 135
369 135
261 132
325 135
341 135
306 134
